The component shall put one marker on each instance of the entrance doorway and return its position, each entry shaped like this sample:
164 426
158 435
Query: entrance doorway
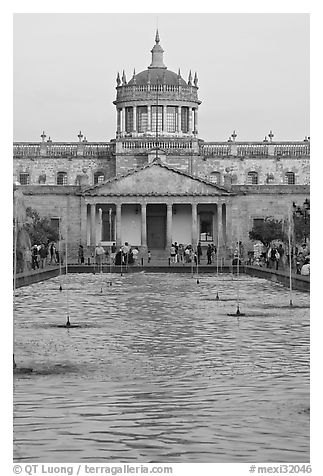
156 226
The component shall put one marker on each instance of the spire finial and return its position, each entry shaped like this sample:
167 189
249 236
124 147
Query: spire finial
43 136
190 78
80 135
157 40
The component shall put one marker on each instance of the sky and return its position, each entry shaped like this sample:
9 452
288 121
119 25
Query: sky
253 71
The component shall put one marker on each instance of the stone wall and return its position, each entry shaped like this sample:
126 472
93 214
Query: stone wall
50 166
235 170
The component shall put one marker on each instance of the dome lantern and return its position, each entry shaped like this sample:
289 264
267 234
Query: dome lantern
157 60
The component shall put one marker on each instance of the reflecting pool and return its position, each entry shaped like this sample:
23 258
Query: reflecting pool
158 372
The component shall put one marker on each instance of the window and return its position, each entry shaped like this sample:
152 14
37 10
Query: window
171 119
142 118
98 177
129 119
252 178
184 119
206 224
42 179
159 118
289 178
54 223
61 178
258 222
215 177
24 179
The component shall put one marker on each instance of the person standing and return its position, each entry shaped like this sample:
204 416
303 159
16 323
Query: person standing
209 254
113 252
34 255
199 252
172 253
43 255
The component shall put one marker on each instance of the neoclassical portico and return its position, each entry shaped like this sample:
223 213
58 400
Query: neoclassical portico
155 206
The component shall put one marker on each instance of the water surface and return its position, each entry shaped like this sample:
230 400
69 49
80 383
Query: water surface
158 372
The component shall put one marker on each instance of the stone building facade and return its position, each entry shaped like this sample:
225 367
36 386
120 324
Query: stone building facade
157 182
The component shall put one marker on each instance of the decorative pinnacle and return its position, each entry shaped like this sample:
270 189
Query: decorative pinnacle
234 135
157 40
80 135
179 72
124 79
118 79
195 79
265 139
43 136
190 78
271 135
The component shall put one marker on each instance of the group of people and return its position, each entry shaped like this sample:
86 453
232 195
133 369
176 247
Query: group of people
124 256
180 253
38 256
277 257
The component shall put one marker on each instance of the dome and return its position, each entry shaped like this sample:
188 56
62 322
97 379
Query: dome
163 76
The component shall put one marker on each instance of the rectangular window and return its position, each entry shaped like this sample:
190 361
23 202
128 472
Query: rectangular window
184 119
129 119
171 119
258 222
54 223
142 118
24 179
159 118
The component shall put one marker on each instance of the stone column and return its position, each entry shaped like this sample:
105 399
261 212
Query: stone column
229 221
123 120
164 118
220 231
83 224
190 120
179 119
93 224
169 219
118 225
118 120
134 118
149 118
144 225
224 224
194 225
195 121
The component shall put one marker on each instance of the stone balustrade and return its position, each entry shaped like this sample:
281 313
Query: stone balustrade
149 91
205 149
62 149
255 149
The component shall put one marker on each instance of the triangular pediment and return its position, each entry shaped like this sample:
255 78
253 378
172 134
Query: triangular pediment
156 179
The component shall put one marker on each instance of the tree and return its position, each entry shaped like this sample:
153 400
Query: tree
268 230
39 228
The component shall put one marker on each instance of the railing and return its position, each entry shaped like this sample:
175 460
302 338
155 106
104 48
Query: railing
54 149
248 149
207 149
148 91
154 144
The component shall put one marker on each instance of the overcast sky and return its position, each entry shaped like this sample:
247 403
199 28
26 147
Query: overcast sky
253 71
